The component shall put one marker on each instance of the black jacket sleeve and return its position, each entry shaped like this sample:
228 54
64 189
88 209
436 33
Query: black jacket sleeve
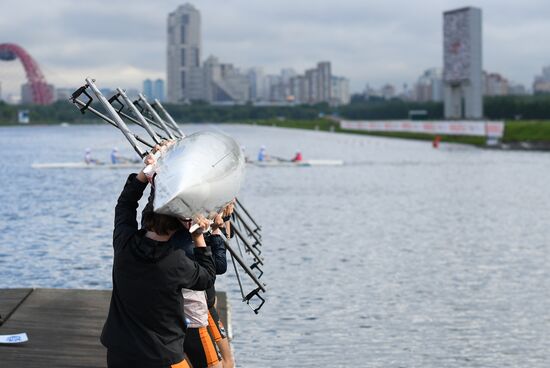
125 211
199 274
217 244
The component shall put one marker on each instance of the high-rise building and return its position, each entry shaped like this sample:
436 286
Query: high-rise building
429 86
223 83
319 83
256 81
462 59
148 88
494 84
158 89
542 82
324 81
184 54
340 91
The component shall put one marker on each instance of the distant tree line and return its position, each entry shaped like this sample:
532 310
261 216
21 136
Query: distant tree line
503 107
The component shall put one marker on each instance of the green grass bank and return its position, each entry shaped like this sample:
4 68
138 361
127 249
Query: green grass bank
515 130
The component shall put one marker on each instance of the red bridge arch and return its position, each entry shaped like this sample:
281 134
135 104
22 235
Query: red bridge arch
42 94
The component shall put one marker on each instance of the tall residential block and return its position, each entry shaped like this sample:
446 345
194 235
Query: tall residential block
148 88
158 89
183 54
462 60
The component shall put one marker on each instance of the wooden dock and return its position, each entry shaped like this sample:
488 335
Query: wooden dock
63 326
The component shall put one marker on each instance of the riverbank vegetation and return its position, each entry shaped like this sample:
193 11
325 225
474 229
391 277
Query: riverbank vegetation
496 108
527 117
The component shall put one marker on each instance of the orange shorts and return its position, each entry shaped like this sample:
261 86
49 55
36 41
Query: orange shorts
215 325
200 348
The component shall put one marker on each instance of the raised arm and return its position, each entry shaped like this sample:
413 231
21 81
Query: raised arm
201 273
125 210
126 207
216 242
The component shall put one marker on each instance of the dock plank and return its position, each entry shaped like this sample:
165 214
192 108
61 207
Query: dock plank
63 327
9 300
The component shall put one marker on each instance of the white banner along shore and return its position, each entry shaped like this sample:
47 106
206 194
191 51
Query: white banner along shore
490 129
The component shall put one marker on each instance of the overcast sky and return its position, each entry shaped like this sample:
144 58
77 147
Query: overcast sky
120 43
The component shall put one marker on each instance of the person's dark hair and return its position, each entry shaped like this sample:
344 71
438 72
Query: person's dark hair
160 224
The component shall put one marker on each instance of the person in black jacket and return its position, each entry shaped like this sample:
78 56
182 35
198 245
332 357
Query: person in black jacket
145 326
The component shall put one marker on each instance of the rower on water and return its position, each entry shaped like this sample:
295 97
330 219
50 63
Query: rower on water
115 158
297 157
88 157
262 155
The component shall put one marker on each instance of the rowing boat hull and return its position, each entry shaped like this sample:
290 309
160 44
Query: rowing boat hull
199 174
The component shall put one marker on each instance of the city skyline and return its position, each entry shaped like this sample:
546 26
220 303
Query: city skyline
124 50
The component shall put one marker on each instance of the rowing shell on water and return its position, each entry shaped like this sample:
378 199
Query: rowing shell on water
83 165
304 163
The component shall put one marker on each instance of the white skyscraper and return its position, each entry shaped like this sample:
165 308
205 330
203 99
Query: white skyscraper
184 54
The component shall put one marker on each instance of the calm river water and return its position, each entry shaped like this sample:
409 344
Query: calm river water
405 257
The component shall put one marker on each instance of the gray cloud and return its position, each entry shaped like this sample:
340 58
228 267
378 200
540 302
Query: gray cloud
123 42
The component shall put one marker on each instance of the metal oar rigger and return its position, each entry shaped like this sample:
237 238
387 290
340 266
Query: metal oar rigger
168 129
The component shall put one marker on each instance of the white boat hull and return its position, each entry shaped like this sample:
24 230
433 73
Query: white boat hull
83 165
303 163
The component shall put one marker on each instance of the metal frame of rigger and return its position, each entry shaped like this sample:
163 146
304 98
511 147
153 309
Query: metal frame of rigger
145 115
